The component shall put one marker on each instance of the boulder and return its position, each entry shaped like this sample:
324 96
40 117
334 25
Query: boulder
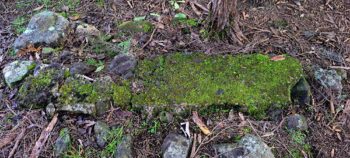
46 29
254 82
17 71
176 146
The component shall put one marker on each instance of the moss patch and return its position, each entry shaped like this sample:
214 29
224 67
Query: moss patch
252 81
37 91
76 91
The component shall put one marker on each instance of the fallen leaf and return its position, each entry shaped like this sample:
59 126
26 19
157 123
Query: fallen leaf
29 49
200 123
278 58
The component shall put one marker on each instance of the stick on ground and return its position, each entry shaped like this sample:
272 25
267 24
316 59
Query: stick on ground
40 143
18 139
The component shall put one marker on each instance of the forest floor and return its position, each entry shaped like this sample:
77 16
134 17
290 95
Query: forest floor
316 32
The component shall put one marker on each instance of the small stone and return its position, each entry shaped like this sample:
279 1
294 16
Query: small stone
16 71
248 147
66 55
62 143
79 108
101 130
50 110
81 68
176 146
46 29
87 30
228 150
301 93
329 79
297 122
124 149
166 117
254 147
123 65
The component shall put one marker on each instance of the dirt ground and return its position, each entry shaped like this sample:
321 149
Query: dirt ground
317 32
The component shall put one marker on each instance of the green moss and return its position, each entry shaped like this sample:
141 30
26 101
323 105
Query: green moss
253 81
76 90
299 140
36 90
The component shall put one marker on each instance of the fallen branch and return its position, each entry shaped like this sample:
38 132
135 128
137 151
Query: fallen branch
39 144
18 139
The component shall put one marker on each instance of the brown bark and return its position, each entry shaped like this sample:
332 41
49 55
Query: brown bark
224 17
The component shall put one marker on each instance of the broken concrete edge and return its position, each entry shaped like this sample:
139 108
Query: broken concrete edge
122 94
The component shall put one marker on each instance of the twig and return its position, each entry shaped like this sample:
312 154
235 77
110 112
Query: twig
18 139
39 144
340 67
150 39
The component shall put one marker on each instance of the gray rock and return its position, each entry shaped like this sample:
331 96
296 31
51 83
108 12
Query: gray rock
62 143
301 93
176 146
228 150
79 108
248 147
46 28
124 149
81 68
254 147
297 122
101 130
123 65
329 79
16 71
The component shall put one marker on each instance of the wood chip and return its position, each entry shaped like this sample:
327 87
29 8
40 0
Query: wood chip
200 123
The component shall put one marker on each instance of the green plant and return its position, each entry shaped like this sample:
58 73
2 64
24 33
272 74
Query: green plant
19 24
74 153
154 128
298 137
20 4
125 46
175 3
114 138
98 64
71 4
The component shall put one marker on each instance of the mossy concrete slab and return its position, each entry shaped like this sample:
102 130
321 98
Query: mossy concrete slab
251 81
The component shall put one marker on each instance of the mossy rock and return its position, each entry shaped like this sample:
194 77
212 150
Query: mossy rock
136 26
197 80
77 95
38 91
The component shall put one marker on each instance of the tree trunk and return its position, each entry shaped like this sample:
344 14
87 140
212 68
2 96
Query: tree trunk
224 17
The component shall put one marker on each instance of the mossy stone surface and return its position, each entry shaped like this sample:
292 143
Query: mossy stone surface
76 92
253 81
38 91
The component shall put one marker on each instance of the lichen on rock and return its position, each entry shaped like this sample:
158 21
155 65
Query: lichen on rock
253 81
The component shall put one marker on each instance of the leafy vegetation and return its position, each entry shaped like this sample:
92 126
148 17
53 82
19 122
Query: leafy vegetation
19 24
